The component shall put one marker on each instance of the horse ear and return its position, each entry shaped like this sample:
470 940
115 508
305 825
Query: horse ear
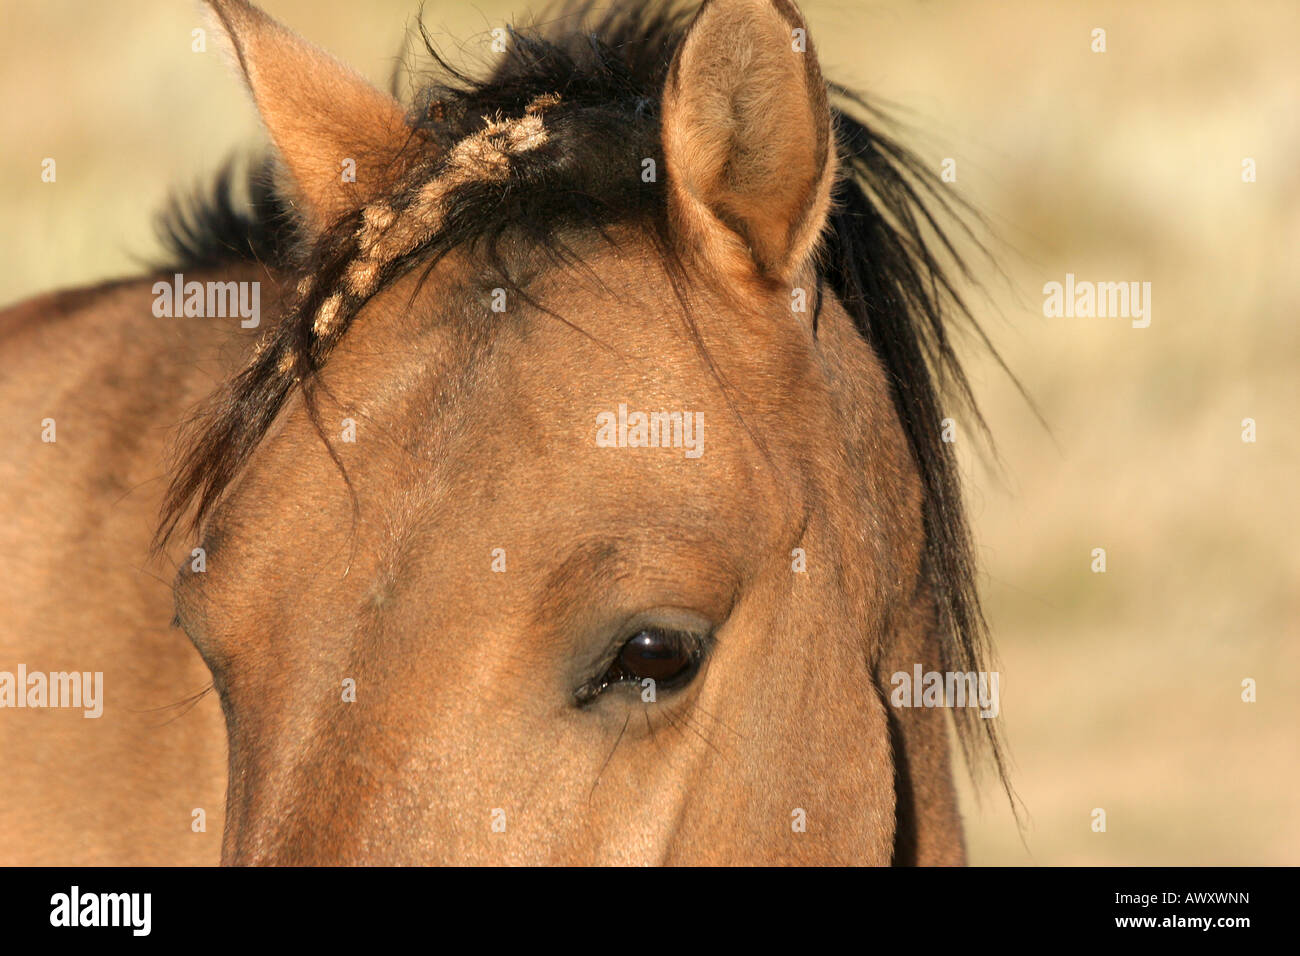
339 137
747 135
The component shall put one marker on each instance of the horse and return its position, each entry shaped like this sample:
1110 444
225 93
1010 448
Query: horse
572 494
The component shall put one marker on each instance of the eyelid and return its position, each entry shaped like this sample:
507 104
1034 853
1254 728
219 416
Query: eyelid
663 619
668 619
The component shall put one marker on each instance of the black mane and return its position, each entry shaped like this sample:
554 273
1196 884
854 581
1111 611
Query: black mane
219 226
883 256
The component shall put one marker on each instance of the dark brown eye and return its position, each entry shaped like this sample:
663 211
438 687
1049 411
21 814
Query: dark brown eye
669 658
659 655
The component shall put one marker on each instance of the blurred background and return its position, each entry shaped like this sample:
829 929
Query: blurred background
1121 690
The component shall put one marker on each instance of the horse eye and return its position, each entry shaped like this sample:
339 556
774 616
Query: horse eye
659 655
669 658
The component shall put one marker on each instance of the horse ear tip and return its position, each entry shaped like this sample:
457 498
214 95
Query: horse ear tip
321 115
776 203
229 6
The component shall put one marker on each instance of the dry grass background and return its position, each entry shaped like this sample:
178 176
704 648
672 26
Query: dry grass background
1121 690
